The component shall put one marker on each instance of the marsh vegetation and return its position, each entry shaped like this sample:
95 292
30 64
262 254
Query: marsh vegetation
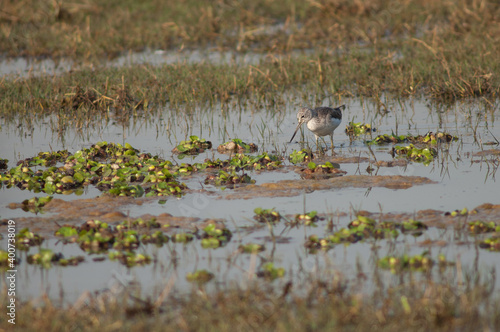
168 191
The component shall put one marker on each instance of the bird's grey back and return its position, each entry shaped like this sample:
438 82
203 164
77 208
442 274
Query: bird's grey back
334 112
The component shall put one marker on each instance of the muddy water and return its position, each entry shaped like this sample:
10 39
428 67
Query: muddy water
463 175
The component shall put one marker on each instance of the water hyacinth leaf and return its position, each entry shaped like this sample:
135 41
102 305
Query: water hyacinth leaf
200 276
66 231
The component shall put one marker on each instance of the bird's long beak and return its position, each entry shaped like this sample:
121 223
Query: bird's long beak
296 130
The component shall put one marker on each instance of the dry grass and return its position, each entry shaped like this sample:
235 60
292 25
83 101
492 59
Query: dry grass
445 51
439 303
416 71
89 28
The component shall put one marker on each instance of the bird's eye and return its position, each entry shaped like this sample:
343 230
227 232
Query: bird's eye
302 116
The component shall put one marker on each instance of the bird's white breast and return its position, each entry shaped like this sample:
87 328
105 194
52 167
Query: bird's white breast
323 128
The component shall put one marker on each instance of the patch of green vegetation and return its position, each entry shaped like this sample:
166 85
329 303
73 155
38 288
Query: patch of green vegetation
95 241
46 158
194 146
413 227
266 215
26 239
66 232
363 228
251 248
491 243
423 155
259 162
113 168
226 179
327 166
200 276
158 238
479 227
270 272
308 219
416 263
300 156
138 224
126 240
238 145
47 257
214 237
429 138
96 236
7 262
182 237
243 161
130 258
35 204
358 128
315 171
463 212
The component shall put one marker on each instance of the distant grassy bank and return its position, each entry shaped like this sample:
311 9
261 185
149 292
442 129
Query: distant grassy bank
445 51
88 28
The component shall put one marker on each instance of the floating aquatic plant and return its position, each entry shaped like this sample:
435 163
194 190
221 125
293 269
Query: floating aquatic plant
315 171
138 223
478 227
35 204
237 145
26 239
308 219
195 145
266 215
491 243
358 128
269 271
251 248
113 168
363 228
182 237
97 236
429 138
46 257
423 155
416 263
130 258
300 156
413 227
67 232
6 261
243 161
463 212
200 276
158 238
224 178
214 237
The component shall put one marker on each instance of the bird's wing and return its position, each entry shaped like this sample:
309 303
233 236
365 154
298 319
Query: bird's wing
332 112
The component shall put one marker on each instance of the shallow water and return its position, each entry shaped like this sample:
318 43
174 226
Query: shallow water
24 67
461 180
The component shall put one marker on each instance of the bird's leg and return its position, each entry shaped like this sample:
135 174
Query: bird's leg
333 150
317 142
